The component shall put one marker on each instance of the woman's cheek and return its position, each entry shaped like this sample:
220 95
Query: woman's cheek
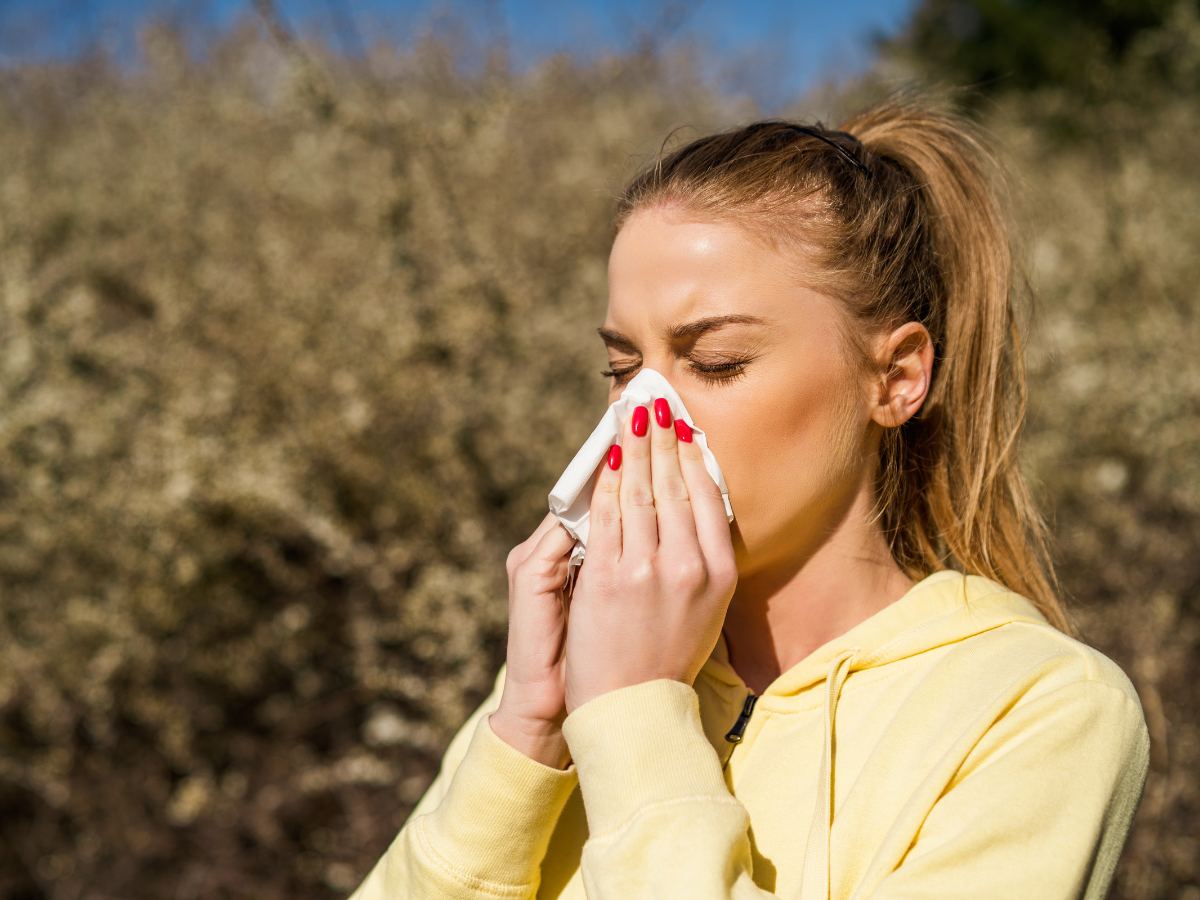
756 487
737 443
781 460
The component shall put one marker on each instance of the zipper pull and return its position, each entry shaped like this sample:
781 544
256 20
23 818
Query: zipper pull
739 727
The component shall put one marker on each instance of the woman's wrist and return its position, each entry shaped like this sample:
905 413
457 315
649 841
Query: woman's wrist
539 739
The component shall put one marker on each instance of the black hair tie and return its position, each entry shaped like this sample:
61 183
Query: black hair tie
821 136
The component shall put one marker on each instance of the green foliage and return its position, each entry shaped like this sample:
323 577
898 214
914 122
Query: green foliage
1023 45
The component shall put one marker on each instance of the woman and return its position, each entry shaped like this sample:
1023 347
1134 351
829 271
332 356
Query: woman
864 687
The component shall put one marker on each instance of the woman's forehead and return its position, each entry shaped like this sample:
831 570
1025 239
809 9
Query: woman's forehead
665 271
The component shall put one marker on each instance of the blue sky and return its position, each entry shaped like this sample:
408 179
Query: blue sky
773 49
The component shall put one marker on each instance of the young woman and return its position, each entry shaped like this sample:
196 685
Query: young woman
864 687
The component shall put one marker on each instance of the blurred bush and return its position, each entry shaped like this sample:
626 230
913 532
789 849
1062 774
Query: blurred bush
291 352
290 356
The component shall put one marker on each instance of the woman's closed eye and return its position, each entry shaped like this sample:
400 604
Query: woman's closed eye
722 370
623 370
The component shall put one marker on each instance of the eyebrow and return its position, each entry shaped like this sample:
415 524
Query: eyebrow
702 326
680 332
615 337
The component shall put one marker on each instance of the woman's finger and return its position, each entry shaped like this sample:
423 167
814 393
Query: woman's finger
676 525
604 516
551 558
524 550
544 571
708 507
555 544
639 525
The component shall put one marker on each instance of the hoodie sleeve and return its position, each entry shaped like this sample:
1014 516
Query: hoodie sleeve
481 830
1041 807
662 822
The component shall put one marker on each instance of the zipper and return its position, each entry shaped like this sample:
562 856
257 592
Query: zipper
739 727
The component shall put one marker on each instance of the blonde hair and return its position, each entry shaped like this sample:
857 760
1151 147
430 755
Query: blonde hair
900 212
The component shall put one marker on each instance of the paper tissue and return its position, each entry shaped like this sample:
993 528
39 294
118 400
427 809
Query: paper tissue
571 498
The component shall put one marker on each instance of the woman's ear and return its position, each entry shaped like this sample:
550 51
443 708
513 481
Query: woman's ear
906 358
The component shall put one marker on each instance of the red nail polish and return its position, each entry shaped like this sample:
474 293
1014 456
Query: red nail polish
662 413
683 431
614 457
641 421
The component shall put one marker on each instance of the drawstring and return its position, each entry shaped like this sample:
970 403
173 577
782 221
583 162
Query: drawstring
815 878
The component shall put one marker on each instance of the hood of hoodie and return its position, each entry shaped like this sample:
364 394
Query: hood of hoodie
943 608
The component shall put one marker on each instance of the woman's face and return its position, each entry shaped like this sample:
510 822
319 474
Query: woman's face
760 363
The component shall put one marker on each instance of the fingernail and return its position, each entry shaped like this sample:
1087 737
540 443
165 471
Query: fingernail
641 421
683 431
662 413
614 457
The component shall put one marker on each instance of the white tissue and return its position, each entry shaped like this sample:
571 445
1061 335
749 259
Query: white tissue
571 499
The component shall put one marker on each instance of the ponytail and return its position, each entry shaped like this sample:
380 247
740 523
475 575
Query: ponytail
901 211
952 492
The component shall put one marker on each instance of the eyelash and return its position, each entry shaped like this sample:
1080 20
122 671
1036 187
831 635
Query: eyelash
621 375
718 372
722 372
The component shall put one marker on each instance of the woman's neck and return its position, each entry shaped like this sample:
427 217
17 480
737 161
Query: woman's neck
783 612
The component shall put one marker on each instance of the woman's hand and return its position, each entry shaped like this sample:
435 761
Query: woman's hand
651 596
531 709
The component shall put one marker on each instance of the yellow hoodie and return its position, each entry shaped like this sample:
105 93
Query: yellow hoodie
953 745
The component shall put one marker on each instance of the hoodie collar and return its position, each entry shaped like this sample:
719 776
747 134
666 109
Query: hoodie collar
941 609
